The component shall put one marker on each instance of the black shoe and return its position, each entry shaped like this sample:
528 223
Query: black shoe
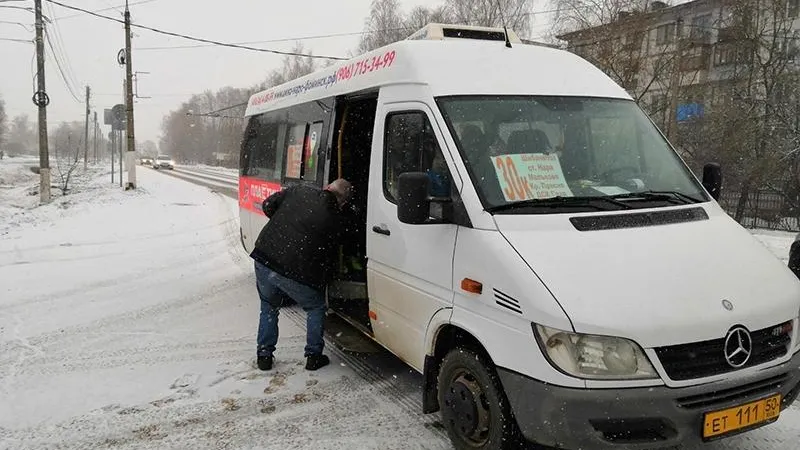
315 362
265 362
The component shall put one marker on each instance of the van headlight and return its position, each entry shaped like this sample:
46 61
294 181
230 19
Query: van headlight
797 334
594 357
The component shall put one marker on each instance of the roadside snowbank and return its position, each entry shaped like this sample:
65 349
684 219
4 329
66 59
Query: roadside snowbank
778 242
19 193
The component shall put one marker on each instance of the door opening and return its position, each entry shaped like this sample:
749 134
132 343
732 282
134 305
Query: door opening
350 159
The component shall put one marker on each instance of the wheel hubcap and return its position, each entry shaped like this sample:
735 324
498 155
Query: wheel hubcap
469 411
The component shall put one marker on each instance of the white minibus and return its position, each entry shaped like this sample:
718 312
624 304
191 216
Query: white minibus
531 243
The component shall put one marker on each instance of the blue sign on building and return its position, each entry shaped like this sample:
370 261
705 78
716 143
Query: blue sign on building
690 111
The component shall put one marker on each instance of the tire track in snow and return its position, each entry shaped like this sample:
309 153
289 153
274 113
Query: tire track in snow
230 189
336 414
209 173
131 280
412 403
169 234
76 332
16 367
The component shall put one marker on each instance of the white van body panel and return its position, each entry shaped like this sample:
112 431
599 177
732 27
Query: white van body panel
485 256
685 270
247 230
410 271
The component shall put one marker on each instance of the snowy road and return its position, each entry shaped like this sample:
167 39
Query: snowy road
127 321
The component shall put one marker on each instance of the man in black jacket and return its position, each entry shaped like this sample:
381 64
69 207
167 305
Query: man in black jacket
293 255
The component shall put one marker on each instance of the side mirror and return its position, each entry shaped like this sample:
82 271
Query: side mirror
712 179
794 257
413 204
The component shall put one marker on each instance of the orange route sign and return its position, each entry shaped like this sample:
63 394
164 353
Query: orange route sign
530 176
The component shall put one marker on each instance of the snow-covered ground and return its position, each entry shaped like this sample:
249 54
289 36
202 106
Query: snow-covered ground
778 242
127 320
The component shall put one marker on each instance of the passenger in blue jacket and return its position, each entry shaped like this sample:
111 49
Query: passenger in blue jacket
294 255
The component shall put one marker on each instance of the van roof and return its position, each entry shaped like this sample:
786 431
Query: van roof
447 31
448 67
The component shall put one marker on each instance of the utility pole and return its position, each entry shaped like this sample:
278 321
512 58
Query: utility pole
122 141
113 149
95 137
131 153
41 100
86 131
120 157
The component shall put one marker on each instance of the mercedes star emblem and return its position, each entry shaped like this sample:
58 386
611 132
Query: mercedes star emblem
738 347
727 305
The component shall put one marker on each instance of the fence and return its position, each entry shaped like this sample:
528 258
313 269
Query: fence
764 209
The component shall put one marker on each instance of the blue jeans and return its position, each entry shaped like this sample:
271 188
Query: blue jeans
271 287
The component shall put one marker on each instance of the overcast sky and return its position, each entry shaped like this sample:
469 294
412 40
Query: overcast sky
89 46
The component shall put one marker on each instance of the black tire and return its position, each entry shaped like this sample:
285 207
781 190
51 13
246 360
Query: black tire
475 411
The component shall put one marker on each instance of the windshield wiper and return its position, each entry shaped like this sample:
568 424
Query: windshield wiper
598 203
668 196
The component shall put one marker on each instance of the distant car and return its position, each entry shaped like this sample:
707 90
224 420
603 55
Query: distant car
163 162
147 161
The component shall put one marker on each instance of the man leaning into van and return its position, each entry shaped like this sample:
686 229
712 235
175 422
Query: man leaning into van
293 256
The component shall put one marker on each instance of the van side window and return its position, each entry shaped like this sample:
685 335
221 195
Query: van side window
260 156
311 151
294 149
302 147
411 146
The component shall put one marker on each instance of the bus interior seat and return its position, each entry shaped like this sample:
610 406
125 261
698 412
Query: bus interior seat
528 141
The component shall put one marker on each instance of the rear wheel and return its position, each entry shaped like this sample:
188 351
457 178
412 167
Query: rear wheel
475 411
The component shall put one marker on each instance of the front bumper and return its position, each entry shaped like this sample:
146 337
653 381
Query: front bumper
636 418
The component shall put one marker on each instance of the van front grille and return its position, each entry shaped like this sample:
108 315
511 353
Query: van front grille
739 393
707 358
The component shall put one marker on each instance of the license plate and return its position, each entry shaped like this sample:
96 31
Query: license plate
750 415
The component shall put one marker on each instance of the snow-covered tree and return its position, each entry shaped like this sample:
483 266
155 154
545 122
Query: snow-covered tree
516 14
384 25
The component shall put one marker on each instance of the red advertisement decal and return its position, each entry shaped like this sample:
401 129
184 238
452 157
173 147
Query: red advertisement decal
253 192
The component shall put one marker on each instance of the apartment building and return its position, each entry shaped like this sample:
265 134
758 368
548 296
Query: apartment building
679 61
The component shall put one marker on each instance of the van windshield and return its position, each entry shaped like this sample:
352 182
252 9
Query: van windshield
525 152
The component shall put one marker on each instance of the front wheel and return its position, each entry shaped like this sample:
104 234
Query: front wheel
475 411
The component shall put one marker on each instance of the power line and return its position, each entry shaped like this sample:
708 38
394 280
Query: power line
60 69
323 36
60 47
27 28
107 9
34 73
216 113
26 41
152 95
302 38
191 38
